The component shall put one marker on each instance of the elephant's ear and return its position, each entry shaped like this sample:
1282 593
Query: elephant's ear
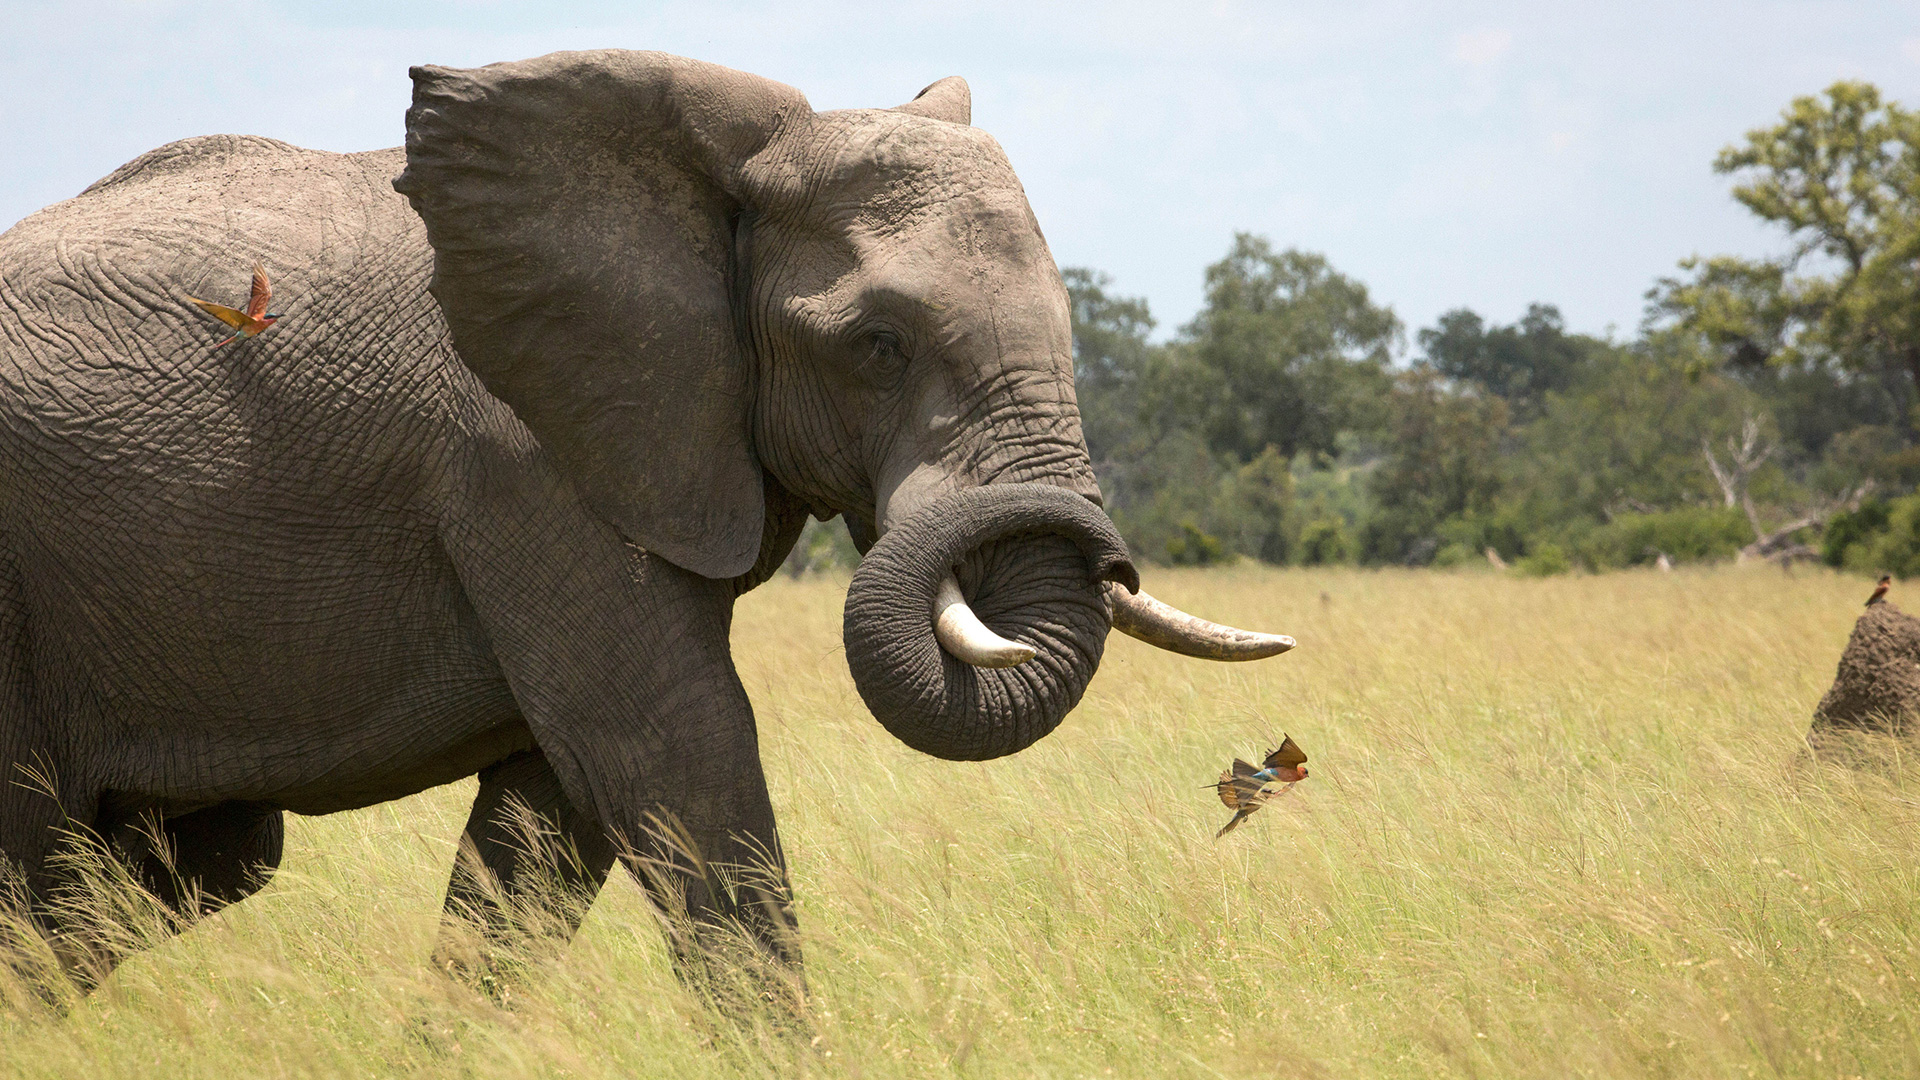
581 210
949 100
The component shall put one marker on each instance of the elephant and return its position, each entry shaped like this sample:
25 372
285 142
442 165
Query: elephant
1877 686
551 387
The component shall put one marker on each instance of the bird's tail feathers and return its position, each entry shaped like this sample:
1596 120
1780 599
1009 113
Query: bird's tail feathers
1231 825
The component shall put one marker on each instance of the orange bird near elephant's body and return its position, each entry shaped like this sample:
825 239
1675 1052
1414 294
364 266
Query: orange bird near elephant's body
251 321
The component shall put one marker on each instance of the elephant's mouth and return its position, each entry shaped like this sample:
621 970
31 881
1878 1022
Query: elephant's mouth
974 627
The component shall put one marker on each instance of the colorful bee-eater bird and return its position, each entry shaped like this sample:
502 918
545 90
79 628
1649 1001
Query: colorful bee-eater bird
1244 789
1880 590
251 321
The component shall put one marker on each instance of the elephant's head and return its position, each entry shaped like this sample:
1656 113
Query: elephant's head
713 305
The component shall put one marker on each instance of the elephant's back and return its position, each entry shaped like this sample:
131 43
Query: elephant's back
122 419
241 534
220 189
100 340
210 154
190 219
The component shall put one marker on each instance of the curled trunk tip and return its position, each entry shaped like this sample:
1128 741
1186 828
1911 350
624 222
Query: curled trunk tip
1034 557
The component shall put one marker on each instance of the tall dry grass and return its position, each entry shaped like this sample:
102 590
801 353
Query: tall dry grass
1554 828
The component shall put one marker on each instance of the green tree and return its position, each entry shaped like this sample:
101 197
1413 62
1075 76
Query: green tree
1628 439
1521 363
1442 461
1193 442
1286 353
1110 353
1164 496
1841 174
1256 510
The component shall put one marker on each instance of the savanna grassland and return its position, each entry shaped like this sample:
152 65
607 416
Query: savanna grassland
1555 827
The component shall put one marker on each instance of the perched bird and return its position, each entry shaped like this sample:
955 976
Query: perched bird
1243 789
251 321
1880 590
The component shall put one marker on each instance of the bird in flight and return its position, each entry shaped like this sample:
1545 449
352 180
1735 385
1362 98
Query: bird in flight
1243 788
251 321
1880 590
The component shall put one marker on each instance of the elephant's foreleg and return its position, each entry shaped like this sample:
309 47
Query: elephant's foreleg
529 859
680 786
716 871
621 664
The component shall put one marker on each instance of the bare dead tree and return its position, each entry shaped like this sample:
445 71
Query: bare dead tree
1744 459
1779 543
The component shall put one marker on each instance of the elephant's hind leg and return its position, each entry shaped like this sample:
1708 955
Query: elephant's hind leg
530 863
44 801
202 861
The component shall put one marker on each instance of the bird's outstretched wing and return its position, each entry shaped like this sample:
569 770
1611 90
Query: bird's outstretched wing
1288 756
1237 787
1229 795
262 293
225 314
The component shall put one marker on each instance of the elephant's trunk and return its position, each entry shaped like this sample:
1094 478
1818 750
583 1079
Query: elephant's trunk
1031 560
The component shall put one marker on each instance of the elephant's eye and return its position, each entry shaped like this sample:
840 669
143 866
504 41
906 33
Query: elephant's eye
884 361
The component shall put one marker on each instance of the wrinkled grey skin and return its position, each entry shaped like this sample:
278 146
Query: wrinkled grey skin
538 411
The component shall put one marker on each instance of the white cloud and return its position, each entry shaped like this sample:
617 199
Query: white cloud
1482 46
1910 49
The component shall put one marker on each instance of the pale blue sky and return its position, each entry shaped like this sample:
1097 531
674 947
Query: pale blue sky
1484 155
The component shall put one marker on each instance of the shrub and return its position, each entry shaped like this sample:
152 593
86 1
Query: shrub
1896 550
1851 528
823 546
1442 461
1545 560
1325 541
1254 508
1195 548
1503 530
1689 534
1202 509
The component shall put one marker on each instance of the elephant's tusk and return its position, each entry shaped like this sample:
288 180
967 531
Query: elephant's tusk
1167 627
965 637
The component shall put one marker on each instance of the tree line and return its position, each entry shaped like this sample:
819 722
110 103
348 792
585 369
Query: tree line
1764 407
